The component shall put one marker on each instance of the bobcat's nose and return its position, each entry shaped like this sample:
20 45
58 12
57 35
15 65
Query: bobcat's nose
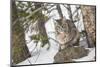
60 32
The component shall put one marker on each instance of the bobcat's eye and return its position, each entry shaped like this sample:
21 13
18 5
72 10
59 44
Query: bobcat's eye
62 26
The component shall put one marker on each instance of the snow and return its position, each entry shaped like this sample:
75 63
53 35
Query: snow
83 43
42 55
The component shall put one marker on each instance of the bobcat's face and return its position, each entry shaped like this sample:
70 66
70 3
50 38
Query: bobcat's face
67 33
62 30
61 26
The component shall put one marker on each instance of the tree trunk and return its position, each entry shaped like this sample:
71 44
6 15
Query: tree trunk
41 25
70 13
20 51
42 32
89 24
59 11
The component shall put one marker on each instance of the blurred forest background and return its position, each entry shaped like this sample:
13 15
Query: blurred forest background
45 31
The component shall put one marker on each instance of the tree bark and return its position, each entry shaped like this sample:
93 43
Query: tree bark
59 11
20 50
89 24
41 25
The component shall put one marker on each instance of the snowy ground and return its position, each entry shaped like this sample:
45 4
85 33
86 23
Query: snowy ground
42 55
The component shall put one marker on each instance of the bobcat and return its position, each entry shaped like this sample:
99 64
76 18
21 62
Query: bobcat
67 33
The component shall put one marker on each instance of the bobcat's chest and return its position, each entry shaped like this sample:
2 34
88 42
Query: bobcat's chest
62 37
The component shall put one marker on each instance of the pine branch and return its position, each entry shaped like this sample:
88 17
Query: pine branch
27 16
